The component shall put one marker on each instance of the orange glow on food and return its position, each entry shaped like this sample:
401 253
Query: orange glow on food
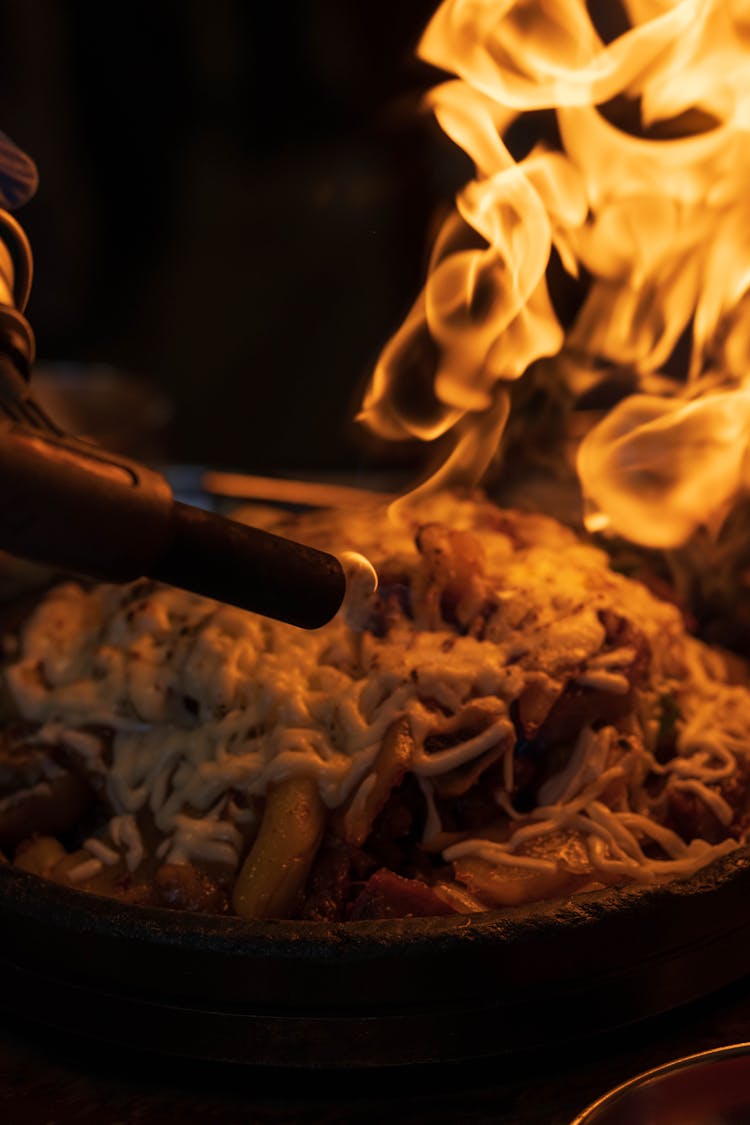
644 197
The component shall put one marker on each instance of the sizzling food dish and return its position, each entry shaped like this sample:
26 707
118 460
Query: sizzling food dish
506 720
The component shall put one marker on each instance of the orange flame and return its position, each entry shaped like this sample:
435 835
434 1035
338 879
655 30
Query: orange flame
656 219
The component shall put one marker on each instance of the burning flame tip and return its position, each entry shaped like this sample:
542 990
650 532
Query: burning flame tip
361 586
359 572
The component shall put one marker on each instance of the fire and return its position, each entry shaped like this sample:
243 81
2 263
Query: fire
361 583
641 194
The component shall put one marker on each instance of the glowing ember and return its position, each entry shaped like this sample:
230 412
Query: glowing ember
643 196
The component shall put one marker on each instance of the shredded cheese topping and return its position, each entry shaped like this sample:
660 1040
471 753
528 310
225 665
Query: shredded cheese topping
185 711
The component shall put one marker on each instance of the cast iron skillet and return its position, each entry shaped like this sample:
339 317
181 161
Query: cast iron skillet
365 994
369 994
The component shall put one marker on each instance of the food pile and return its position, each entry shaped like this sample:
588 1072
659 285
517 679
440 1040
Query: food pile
506 720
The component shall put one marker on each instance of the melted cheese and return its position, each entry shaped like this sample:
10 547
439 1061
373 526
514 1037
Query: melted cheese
207 706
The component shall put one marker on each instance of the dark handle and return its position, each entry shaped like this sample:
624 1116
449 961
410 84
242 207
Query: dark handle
68 504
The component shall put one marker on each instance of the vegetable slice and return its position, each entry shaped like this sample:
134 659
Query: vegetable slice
277 866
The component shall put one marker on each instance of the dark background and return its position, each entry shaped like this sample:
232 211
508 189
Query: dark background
235 206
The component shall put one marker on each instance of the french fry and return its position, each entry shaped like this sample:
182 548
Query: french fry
393 760
460 780
458 897
278 863
474 718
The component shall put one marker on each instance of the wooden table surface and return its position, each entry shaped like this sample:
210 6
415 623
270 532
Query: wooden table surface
50 1078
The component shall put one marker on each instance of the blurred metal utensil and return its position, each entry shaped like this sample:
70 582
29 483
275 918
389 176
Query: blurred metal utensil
304 493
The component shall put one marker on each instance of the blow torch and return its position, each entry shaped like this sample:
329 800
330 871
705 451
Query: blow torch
68 504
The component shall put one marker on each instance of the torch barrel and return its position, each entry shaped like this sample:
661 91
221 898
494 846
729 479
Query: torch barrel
70 505
247 567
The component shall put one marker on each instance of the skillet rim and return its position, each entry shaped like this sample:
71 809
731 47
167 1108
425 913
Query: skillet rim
369 994
166 924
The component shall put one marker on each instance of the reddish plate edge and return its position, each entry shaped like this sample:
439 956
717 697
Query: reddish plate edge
661 1081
